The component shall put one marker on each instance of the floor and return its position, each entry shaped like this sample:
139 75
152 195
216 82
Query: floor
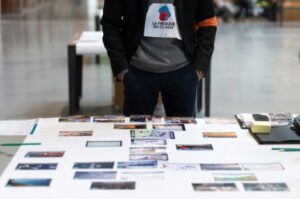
255 66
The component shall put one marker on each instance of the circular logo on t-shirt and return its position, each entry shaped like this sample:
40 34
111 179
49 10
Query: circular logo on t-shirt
164 13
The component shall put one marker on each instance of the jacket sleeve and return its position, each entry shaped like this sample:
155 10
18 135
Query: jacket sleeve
112 31
205 27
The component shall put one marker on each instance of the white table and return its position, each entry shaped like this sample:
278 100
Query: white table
177 184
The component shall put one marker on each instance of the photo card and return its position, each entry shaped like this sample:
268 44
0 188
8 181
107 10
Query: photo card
130 126
215 187
75 119
147 150
169 127
29 182
267 166
219 135
109 119
221 166
194 147
93 165
37 166
45 154
104 144
163 134
75 133
273 187
234 177
140 118
158 156
146 164
103 175
113 185
148 142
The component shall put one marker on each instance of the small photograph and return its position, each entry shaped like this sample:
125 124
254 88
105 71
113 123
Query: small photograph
105 175
28 182
75 119
159 156
281 116
265 187
148 142
147 150
109 119
148 164
271 166
169 127
195 147
103 143
130 126
180 120
50 166
224 167
152 134
234 177
179 166
143 175
219 135
215 187
45 154
75 133
93 165
140 118
113 186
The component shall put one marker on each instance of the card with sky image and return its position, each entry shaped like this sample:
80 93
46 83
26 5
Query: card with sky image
93 165
103 175
234 177
29 182
221 167
37 166
148 164
158 156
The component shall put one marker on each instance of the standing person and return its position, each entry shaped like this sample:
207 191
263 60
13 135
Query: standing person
159 46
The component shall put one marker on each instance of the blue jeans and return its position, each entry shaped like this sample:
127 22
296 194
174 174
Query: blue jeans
178 90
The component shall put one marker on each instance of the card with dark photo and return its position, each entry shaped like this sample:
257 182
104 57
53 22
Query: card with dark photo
140 118
159 156
130 126
148 164
75 133
266 187
103 143
221 166
75 119
45 154
196 147
169 127
93 165
27 182
215 187
44 166
113 185
103 175
180 120
109 119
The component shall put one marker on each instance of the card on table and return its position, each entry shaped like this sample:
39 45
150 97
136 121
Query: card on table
37 166
45 154
27 182
93 165
103 143
113 185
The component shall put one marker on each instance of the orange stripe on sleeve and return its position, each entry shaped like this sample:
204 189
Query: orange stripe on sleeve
211 22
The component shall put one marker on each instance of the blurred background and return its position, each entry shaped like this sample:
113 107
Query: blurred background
255 66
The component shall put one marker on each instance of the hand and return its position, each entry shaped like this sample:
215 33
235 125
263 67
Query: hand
200 74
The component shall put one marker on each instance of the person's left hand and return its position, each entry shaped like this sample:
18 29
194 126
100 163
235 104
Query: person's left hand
200 74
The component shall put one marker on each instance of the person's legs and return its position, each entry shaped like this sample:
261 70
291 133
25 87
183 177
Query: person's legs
140 92
179 92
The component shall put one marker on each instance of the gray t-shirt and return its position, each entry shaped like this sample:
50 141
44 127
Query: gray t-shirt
160 55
